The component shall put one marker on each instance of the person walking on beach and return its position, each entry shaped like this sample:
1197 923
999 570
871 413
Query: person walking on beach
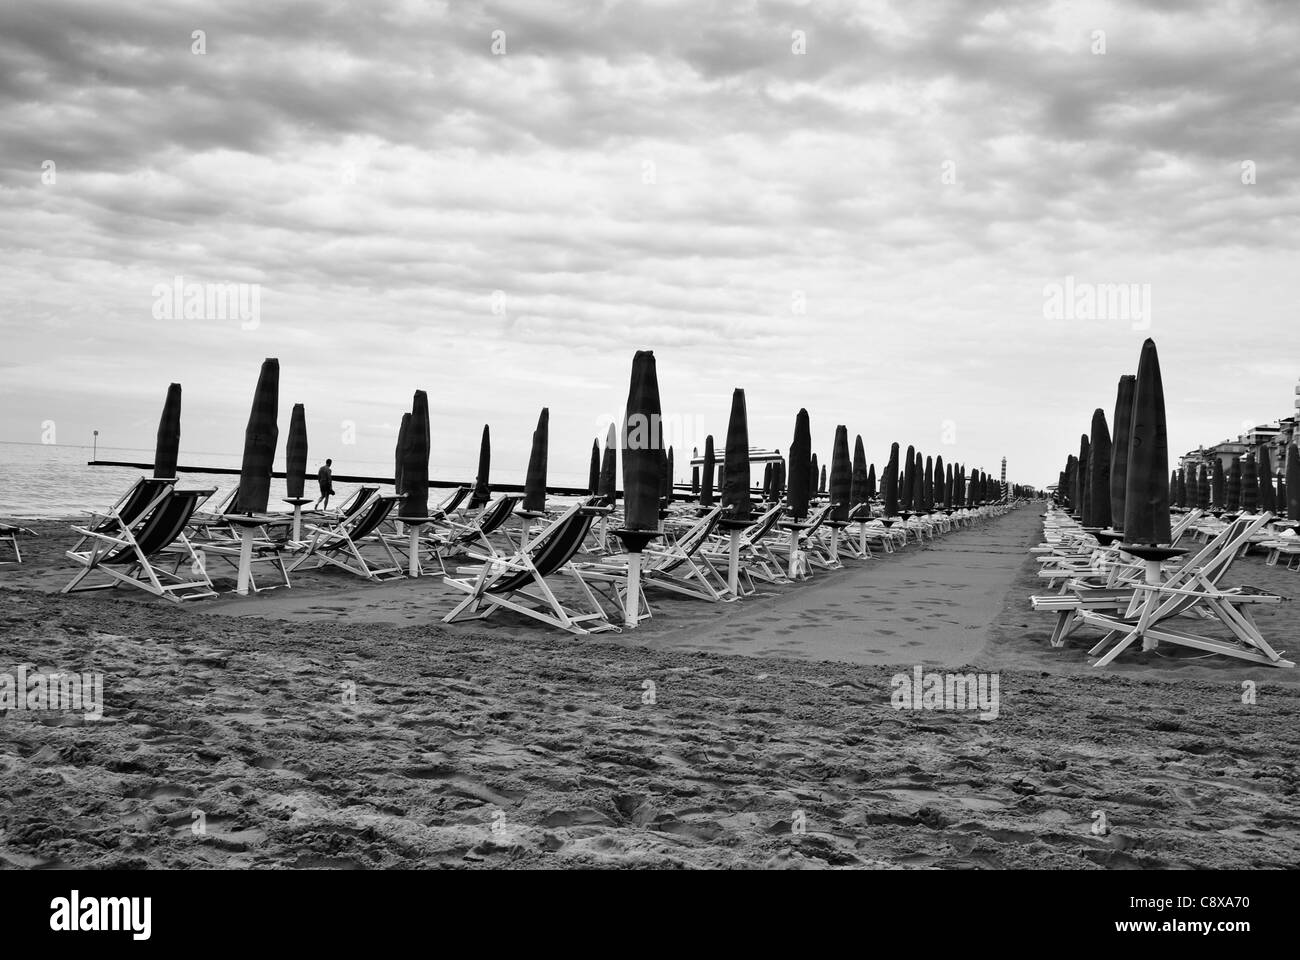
325 477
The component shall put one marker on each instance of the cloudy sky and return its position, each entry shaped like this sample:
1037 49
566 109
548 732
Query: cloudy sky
858 208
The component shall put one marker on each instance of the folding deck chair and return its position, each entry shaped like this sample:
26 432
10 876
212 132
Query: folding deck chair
142 496
460 536
518 582
1081 595
126 554
756 557
672 567
10 533
341 544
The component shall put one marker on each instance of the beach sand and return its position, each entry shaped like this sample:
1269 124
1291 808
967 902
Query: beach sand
338 724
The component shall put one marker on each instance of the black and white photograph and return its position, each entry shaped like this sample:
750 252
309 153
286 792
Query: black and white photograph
650 436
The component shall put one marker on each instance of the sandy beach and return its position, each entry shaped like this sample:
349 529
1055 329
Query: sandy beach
338 724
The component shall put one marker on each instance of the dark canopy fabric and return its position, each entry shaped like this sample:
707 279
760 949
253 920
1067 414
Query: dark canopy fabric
891 482
800 466
1146 502
168 448
415 465
260 438
710 465
907 479
1099 472
872 490
1219 485
1249 484
841 475
295 453
1267 492
940 483
1293 482
858 486
482 489
1119 449
399 452
735 466
593 473
535 479
1233 501
642 446
609 467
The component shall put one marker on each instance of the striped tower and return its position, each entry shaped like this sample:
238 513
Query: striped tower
1004 478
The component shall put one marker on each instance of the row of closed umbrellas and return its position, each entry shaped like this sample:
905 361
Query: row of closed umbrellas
1122 487
912 484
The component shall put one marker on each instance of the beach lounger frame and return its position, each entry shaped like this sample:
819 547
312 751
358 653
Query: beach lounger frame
340 544
519 582
127 555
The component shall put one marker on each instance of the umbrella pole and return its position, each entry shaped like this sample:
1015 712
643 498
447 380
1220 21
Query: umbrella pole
794 553
733 566
245 559
413 551
633 599
297 523
862 539
835 544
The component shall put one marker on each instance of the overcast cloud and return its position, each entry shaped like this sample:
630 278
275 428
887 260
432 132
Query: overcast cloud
503 230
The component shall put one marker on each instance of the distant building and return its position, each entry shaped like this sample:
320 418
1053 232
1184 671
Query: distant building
1272 436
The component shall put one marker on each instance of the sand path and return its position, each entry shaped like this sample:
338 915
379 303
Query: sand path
933 605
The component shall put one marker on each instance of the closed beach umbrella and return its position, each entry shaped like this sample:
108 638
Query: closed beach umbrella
609 467
706 482
1081 475
260 438
909 474
1281 495
767 482
1219 485
1099 471
295 453
948 488
823 487
399 451
858 487
872 490
1173 489
1119 450
643 461
928 491
1267 493
415 464
1292 482
1249 485
891 482
482 490
1233 501
168 448
535 479
593 474
735 485
841 475
1202 488
735 464
1146 500
813 477
800 466
940 484
668 479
